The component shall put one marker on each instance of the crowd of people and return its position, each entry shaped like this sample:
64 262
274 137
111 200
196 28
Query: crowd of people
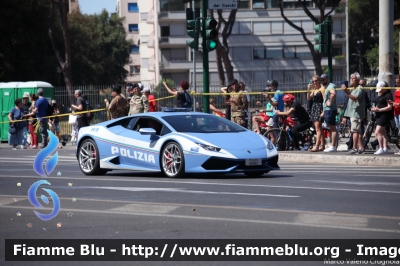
321 108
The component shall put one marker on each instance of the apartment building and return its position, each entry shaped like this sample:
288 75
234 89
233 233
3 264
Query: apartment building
262 45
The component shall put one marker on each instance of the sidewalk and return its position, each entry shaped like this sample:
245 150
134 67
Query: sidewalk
342 157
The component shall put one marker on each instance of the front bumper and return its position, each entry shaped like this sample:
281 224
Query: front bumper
239 166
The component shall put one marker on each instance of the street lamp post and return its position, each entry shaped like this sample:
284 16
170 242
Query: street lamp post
360 44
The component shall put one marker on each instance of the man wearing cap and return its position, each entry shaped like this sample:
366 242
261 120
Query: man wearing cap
238 105
330 109
138 103
129 91
118 105
150 99
40 111
356 111
276 100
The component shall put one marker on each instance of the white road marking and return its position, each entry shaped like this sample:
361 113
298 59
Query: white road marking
183 190
205 218
357 183
213 184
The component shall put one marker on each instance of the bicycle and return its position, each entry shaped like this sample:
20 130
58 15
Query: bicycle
283 141
392 132
344 129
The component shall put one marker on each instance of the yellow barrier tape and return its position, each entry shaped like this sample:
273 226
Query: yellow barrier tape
60 115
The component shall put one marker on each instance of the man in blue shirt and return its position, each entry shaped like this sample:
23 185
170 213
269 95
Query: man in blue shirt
40 111
276 100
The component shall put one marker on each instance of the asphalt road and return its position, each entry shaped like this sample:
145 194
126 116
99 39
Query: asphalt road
301 201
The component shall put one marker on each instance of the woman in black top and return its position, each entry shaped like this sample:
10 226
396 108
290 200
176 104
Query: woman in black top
384 113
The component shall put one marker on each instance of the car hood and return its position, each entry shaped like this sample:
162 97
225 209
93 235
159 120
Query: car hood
232 141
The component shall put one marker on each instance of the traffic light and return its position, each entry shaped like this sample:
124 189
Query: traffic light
211 34
192 29
321 38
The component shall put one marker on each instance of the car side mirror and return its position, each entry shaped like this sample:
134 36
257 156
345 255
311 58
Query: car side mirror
147 131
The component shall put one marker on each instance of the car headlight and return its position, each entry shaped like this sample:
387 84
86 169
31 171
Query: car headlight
209 147
270 146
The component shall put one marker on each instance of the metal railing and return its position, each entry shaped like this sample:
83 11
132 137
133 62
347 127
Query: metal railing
96 95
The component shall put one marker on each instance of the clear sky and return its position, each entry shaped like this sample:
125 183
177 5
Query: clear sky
91 7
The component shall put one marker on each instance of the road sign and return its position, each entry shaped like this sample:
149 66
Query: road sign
222 4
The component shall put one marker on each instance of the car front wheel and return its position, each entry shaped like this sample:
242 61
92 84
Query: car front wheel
172 160
89 159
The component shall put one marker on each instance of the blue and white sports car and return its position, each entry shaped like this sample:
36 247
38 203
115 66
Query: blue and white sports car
174 142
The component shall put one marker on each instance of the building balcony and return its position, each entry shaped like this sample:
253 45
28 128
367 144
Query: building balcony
151 40
152 64
173 41
175 15
150 16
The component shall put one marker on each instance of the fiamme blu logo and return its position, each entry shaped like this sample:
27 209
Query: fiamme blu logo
45 169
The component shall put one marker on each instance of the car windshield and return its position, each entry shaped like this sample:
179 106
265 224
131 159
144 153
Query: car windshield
202 124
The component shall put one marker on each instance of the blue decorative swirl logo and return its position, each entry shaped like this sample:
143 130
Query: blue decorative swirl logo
41 156
32 198
49 167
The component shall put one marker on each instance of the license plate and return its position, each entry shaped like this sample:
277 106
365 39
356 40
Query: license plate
251 162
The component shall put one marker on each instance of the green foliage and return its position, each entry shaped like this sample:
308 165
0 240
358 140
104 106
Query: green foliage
25 49
99 48
340 57
363 20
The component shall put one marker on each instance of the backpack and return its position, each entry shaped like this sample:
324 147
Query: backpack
50 110
188 102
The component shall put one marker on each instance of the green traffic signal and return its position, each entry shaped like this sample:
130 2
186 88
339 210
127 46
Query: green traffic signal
321 38
211 34
192 30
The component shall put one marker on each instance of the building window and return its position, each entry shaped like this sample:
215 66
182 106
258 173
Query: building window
165 31
290 30
258 4
143 16
272 4
300 5
337 50
276 27
289 52
172 5
134 70
243 4
133 7
241 28
288 4
303 51
274 53
308 26
134 49
261 28
258 53
133 27
145 62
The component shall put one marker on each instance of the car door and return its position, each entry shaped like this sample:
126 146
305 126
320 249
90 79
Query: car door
139 148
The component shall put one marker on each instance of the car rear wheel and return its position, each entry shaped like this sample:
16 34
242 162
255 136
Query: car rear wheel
255 174
89 159
172 160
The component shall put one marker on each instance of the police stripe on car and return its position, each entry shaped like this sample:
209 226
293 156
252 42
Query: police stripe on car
137 155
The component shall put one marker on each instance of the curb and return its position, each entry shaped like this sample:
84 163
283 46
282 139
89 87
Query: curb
368 159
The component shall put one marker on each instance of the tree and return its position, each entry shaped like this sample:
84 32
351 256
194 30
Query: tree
25 49
222 52
64 61
100 49
321 5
